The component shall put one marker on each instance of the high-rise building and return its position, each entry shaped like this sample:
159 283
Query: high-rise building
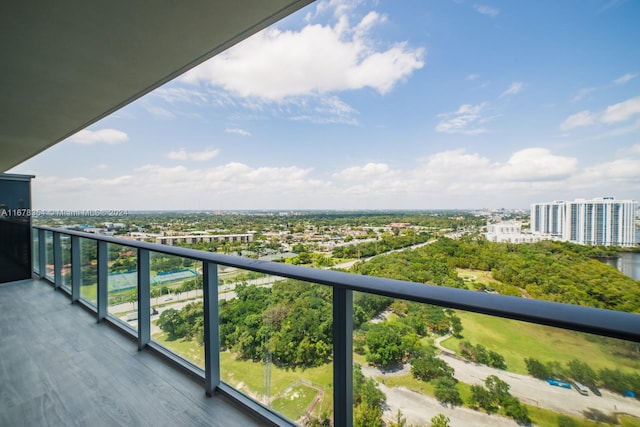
548 218
599 221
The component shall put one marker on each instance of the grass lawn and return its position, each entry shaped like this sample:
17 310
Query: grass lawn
294 402
479 276
189 350
89 293
628 421
516 340
250 378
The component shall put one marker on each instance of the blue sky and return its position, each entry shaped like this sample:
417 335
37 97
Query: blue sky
378 105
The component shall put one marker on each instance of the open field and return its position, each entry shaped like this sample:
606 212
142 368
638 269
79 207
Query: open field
517 340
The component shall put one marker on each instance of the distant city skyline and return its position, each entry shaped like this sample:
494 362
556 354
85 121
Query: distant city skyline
355 105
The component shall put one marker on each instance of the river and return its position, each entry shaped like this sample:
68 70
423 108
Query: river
628 263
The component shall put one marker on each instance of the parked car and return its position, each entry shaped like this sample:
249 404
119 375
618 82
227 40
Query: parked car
580 388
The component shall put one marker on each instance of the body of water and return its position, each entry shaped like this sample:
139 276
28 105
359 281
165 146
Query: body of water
628 263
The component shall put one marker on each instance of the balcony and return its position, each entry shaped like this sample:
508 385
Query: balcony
59 362
59 367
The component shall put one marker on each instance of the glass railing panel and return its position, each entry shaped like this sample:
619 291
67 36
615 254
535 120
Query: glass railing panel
89 271
417 362
122 283
65 252
277 343
177 314
48 255
35 252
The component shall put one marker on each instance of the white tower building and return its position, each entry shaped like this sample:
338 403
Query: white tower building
600 221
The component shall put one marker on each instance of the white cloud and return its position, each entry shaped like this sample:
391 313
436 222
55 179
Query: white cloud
624 79
368 171
273 64
619 175
513 89
101 136
453 178
487 10
472 76
615 113
451 163
159 112
583 118
197 156
331 109
537 164
180 94
582 93
466 120
238 131
622 111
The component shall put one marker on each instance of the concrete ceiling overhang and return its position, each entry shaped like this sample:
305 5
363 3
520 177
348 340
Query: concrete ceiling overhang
66 64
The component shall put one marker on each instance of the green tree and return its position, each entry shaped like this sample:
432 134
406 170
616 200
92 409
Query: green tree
513 408
498 388
536 368
446 392
496 360
365 415
384 341
440 420
400 420
581 372
170 323
429 367
481 397
367 399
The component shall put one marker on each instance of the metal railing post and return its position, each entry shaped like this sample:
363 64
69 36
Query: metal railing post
342 357
57 261
144 299
103 270
76 268
42 252
211 327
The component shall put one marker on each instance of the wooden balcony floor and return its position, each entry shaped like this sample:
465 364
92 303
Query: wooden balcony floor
58 367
